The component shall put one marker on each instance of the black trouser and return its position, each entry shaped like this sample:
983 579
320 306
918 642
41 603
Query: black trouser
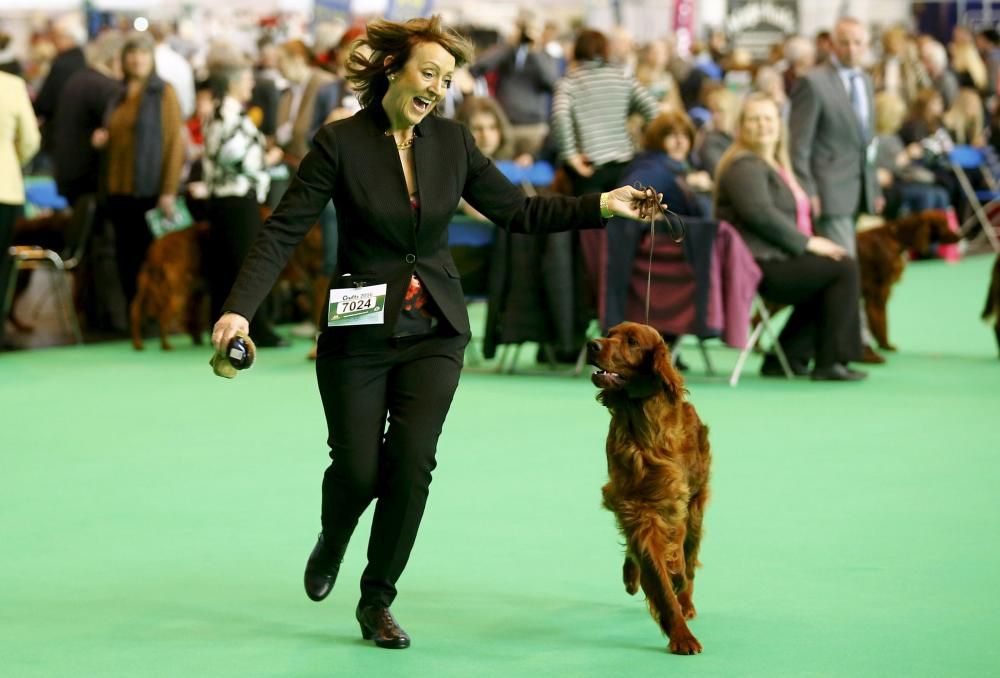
411 381
234 223
127 215
8 215
824 323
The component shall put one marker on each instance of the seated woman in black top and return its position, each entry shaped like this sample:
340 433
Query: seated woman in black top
663 165
757 192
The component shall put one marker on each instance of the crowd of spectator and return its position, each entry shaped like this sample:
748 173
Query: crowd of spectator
860 126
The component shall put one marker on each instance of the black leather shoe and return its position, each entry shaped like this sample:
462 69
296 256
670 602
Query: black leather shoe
838 372
321 569
378 624
771 367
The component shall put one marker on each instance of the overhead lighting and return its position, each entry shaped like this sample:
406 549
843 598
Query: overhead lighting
141 23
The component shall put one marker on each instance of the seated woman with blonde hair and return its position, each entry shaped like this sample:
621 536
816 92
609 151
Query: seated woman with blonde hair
757 192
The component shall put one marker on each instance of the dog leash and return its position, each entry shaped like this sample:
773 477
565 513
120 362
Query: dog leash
651 206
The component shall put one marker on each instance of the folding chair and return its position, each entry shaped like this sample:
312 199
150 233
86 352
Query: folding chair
962 158
60 265
763 325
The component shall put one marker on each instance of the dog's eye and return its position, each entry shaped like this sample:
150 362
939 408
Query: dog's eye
632 342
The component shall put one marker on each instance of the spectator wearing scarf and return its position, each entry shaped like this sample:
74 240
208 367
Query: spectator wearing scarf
145 155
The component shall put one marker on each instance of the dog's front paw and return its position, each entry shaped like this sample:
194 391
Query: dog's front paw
889 347
685 643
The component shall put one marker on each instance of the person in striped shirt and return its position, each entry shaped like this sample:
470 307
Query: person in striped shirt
589 112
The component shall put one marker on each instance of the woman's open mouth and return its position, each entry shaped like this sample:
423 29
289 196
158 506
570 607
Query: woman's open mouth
422 105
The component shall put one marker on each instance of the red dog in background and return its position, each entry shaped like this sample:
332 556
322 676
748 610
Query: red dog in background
658 468
881 261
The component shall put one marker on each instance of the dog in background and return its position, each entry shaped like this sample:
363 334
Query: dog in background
658 467
171 286
992 308
881 261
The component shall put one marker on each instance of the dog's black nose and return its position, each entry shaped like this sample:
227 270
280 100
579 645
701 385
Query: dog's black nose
593 346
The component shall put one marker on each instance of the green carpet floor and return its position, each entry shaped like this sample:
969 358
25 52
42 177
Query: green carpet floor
155 520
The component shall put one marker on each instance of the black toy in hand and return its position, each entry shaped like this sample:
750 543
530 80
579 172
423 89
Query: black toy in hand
238 355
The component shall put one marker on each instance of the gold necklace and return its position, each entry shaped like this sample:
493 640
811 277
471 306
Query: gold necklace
405 145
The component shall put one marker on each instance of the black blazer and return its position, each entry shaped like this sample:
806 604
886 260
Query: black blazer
754 198
356 164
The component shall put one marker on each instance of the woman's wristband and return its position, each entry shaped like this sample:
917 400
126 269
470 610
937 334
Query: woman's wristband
606 212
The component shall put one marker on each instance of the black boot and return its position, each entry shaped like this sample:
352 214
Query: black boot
378 624
322 568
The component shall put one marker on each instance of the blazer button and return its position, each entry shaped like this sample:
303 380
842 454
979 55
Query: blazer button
410 258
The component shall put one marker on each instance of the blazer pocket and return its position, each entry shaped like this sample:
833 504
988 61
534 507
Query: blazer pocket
451 270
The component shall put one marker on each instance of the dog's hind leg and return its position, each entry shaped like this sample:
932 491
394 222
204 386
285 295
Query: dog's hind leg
692 543
630 575
135 317
656 545
875 309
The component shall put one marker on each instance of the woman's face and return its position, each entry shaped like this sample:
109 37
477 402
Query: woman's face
486 131
138 64
419 85
761 126
677 145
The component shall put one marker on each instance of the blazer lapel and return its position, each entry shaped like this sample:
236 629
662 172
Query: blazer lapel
423 164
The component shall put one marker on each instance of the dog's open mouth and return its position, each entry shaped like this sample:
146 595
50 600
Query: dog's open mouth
604 379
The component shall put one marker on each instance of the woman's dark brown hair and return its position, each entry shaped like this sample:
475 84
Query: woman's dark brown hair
663 126
591 45
391 43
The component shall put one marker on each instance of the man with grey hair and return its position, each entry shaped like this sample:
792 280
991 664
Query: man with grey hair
69 36
934 57
832 138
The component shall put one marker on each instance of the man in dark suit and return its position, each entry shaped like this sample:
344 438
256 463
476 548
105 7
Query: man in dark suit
832 128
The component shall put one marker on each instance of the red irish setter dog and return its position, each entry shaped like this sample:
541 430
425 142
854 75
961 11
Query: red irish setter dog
658 467
881 262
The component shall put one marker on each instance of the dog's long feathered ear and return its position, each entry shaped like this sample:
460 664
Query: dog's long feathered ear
663 367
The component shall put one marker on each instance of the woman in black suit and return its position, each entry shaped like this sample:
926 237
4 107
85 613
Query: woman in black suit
395 174
757 192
